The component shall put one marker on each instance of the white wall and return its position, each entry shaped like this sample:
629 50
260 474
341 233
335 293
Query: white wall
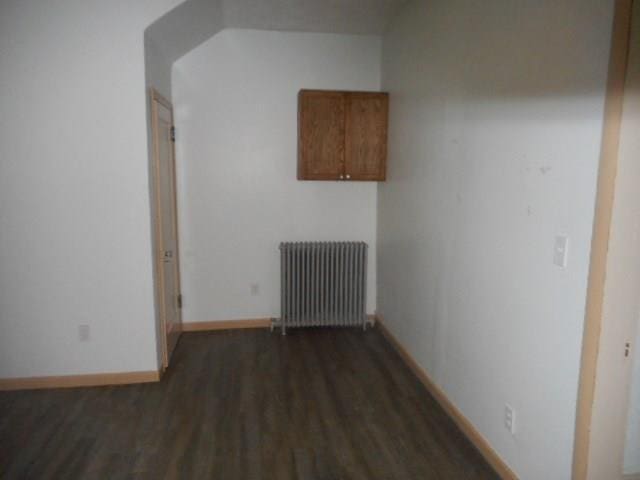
74 198
495 129
157 67
236 117
185 27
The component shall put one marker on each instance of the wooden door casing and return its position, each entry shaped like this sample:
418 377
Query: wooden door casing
166 226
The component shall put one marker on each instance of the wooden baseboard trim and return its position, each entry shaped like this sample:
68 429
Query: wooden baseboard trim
226 325
456 415
238 324
71 381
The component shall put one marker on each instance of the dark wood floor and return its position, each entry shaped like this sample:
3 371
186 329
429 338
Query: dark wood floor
316 404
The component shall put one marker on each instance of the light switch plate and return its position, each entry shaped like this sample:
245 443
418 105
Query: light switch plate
561 250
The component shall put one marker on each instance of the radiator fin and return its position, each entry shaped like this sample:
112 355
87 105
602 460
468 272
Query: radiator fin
323 284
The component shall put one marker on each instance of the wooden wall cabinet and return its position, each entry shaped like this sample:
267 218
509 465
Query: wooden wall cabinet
342 135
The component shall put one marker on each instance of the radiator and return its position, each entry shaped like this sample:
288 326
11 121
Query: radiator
323 284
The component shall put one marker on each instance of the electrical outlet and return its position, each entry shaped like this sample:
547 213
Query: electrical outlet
255 289
509 419
84 333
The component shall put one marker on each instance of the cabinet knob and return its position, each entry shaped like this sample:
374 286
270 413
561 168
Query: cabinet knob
348 176
341 177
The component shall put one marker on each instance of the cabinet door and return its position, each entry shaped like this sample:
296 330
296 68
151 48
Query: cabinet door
366 136
321 136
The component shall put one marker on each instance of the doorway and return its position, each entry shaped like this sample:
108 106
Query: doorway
165 220
614 279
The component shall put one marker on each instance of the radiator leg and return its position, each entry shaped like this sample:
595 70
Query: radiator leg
284 330
275 323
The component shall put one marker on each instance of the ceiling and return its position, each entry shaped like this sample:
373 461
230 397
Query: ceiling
194 21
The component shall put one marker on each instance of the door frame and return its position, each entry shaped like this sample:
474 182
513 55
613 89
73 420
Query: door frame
157 99
603 269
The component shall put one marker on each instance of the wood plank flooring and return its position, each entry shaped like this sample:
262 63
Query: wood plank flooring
316 404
